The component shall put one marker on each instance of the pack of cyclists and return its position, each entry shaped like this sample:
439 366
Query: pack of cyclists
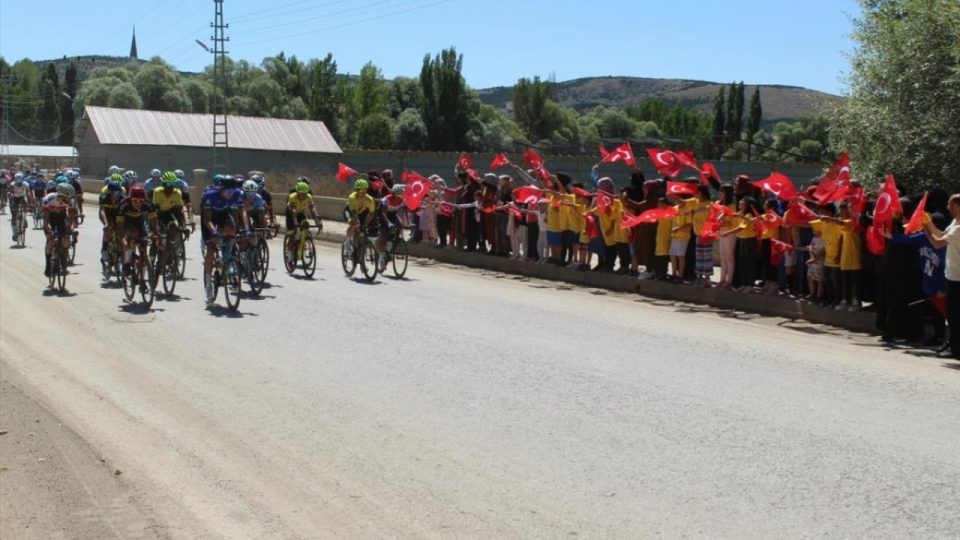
133 212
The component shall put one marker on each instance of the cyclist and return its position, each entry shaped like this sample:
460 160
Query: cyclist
39 186
306 181
220 207
114 170
134 214
20 197
185 192
388 219
4 180
154 181
168 200
58 209
110 199
74 179
130 178
255 205
297 204
360 211
267 198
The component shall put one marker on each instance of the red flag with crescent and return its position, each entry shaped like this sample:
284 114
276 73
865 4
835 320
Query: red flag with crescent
799 213
417 188
344 172
837 178
604 201
779 185
527 195
708 171
681 188
916 220
533 159
623 153
499 160
464 162
888 202
777 250
666 161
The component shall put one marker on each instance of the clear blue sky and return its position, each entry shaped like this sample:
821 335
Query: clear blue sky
791 42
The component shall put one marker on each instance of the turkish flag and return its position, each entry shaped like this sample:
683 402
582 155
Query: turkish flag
842 193
629 221
604 201
545 176
344 172
837 178
656 214
686 157
464 162
857 199
771 220
446 209
582 193
623 153
515 212
666 161
474 175
708 171
888 202
416 190
527 195
799 213
499 160
777 250
681 188
533 159
875 240
916 220
604 154
711 228
779 185
590 223
412 176
377 185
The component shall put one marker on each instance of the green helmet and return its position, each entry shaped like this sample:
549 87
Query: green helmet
361 183
302 187
168 177
116 177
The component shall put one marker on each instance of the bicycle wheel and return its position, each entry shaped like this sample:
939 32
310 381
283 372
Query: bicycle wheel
289 259
129 280
71 251
400 257
61 274
54 266
36 218
309 257
180 257
231 284
368 261
348 260
148 284
254 274
21 229
263 260
169 272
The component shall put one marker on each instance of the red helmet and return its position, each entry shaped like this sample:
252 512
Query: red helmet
137 192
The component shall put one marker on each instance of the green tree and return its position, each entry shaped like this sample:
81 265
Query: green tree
755 119
719 122
70 88
411 131
124 96
49 98
446 109
370 97
903 112
159 87
531 100
323 102
404 94
197 93
23 95
376 131
733 123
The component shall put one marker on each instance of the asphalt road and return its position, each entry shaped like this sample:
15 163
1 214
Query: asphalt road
461 403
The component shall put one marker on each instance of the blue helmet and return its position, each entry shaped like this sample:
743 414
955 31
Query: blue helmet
217 179
114 187
61 179
229 181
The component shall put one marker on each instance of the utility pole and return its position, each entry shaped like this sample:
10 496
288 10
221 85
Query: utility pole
221 140
5 79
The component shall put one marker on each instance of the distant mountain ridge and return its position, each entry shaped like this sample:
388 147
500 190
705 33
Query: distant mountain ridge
780 102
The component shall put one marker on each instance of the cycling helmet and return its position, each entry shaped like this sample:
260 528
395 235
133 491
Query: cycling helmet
361 183
18 179
259 179
66 191
179 173
302 187
303 179
116 177
155 173
70 174
18 175
168 177
398 189
250 185
61 179
138 192
114 170
217 179
229 181
114 187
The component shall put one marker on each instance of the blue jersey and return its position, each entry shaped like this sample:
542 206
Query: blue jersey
39 186
932 261
149 185
258 202
222 200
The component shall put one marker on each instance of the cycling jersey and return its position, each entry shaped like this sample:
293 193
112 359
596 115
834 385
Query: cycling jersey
267 197
127 211
298 205
257 204
19 189
39 187
164 202
53 205
222 200
359 205
391 203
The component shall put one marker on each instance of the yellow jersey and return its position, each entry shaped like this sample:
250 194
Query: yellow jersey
164 203
359 205
298 205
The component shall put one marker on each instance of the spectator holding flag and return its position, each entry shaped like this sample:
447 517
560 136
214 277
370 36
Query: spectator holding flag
950 239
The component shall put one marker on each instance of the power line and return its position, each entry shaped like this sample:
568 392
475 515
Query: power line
269 28
259 14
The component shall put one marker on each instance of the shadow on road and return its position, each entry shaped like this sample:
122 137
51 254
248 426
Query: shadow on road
52 292
138 308
223 312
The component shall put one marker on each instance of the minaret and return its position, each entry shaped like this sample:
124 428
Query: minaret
133 45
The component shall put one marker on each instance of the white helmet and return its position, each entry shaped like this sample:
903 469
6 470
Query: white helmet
130 175
155 173
178 173
114 170
250 185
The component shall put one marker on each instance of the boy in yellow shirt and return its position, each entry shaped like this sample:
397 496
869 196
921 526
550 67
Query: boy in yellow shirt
661 254
831 233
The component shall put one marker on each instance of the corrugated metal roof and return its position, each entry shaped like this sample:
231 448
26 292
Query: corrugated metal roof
27 150
158 128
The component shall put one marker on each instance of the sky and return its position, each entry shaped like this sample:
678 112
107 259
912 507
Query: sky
787 42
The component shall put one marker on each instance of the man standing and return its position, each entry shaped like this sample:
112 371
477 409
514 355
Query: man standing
950 237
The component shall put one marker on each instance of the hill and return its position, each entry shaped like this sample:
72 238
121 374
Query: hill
780 103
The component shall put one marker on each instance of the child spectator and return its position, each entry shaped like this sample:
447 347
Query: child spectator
815 267
746 265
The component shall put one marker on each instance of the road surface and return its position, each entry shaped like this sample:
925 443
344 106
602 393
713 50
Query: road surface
456 404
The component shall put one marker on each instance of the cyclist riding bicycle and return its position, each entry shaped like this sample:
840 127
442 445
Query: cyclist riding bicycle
39 186
185 193
297 205
220 206
110 199
130 178
360 210
58 209
134 214
74 179
168 200
20 196
267 198
388 218
154 181
255 205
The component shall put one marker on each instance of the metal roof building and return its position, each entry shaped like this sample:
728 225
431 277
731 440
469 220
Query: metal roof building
24 155
143 140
